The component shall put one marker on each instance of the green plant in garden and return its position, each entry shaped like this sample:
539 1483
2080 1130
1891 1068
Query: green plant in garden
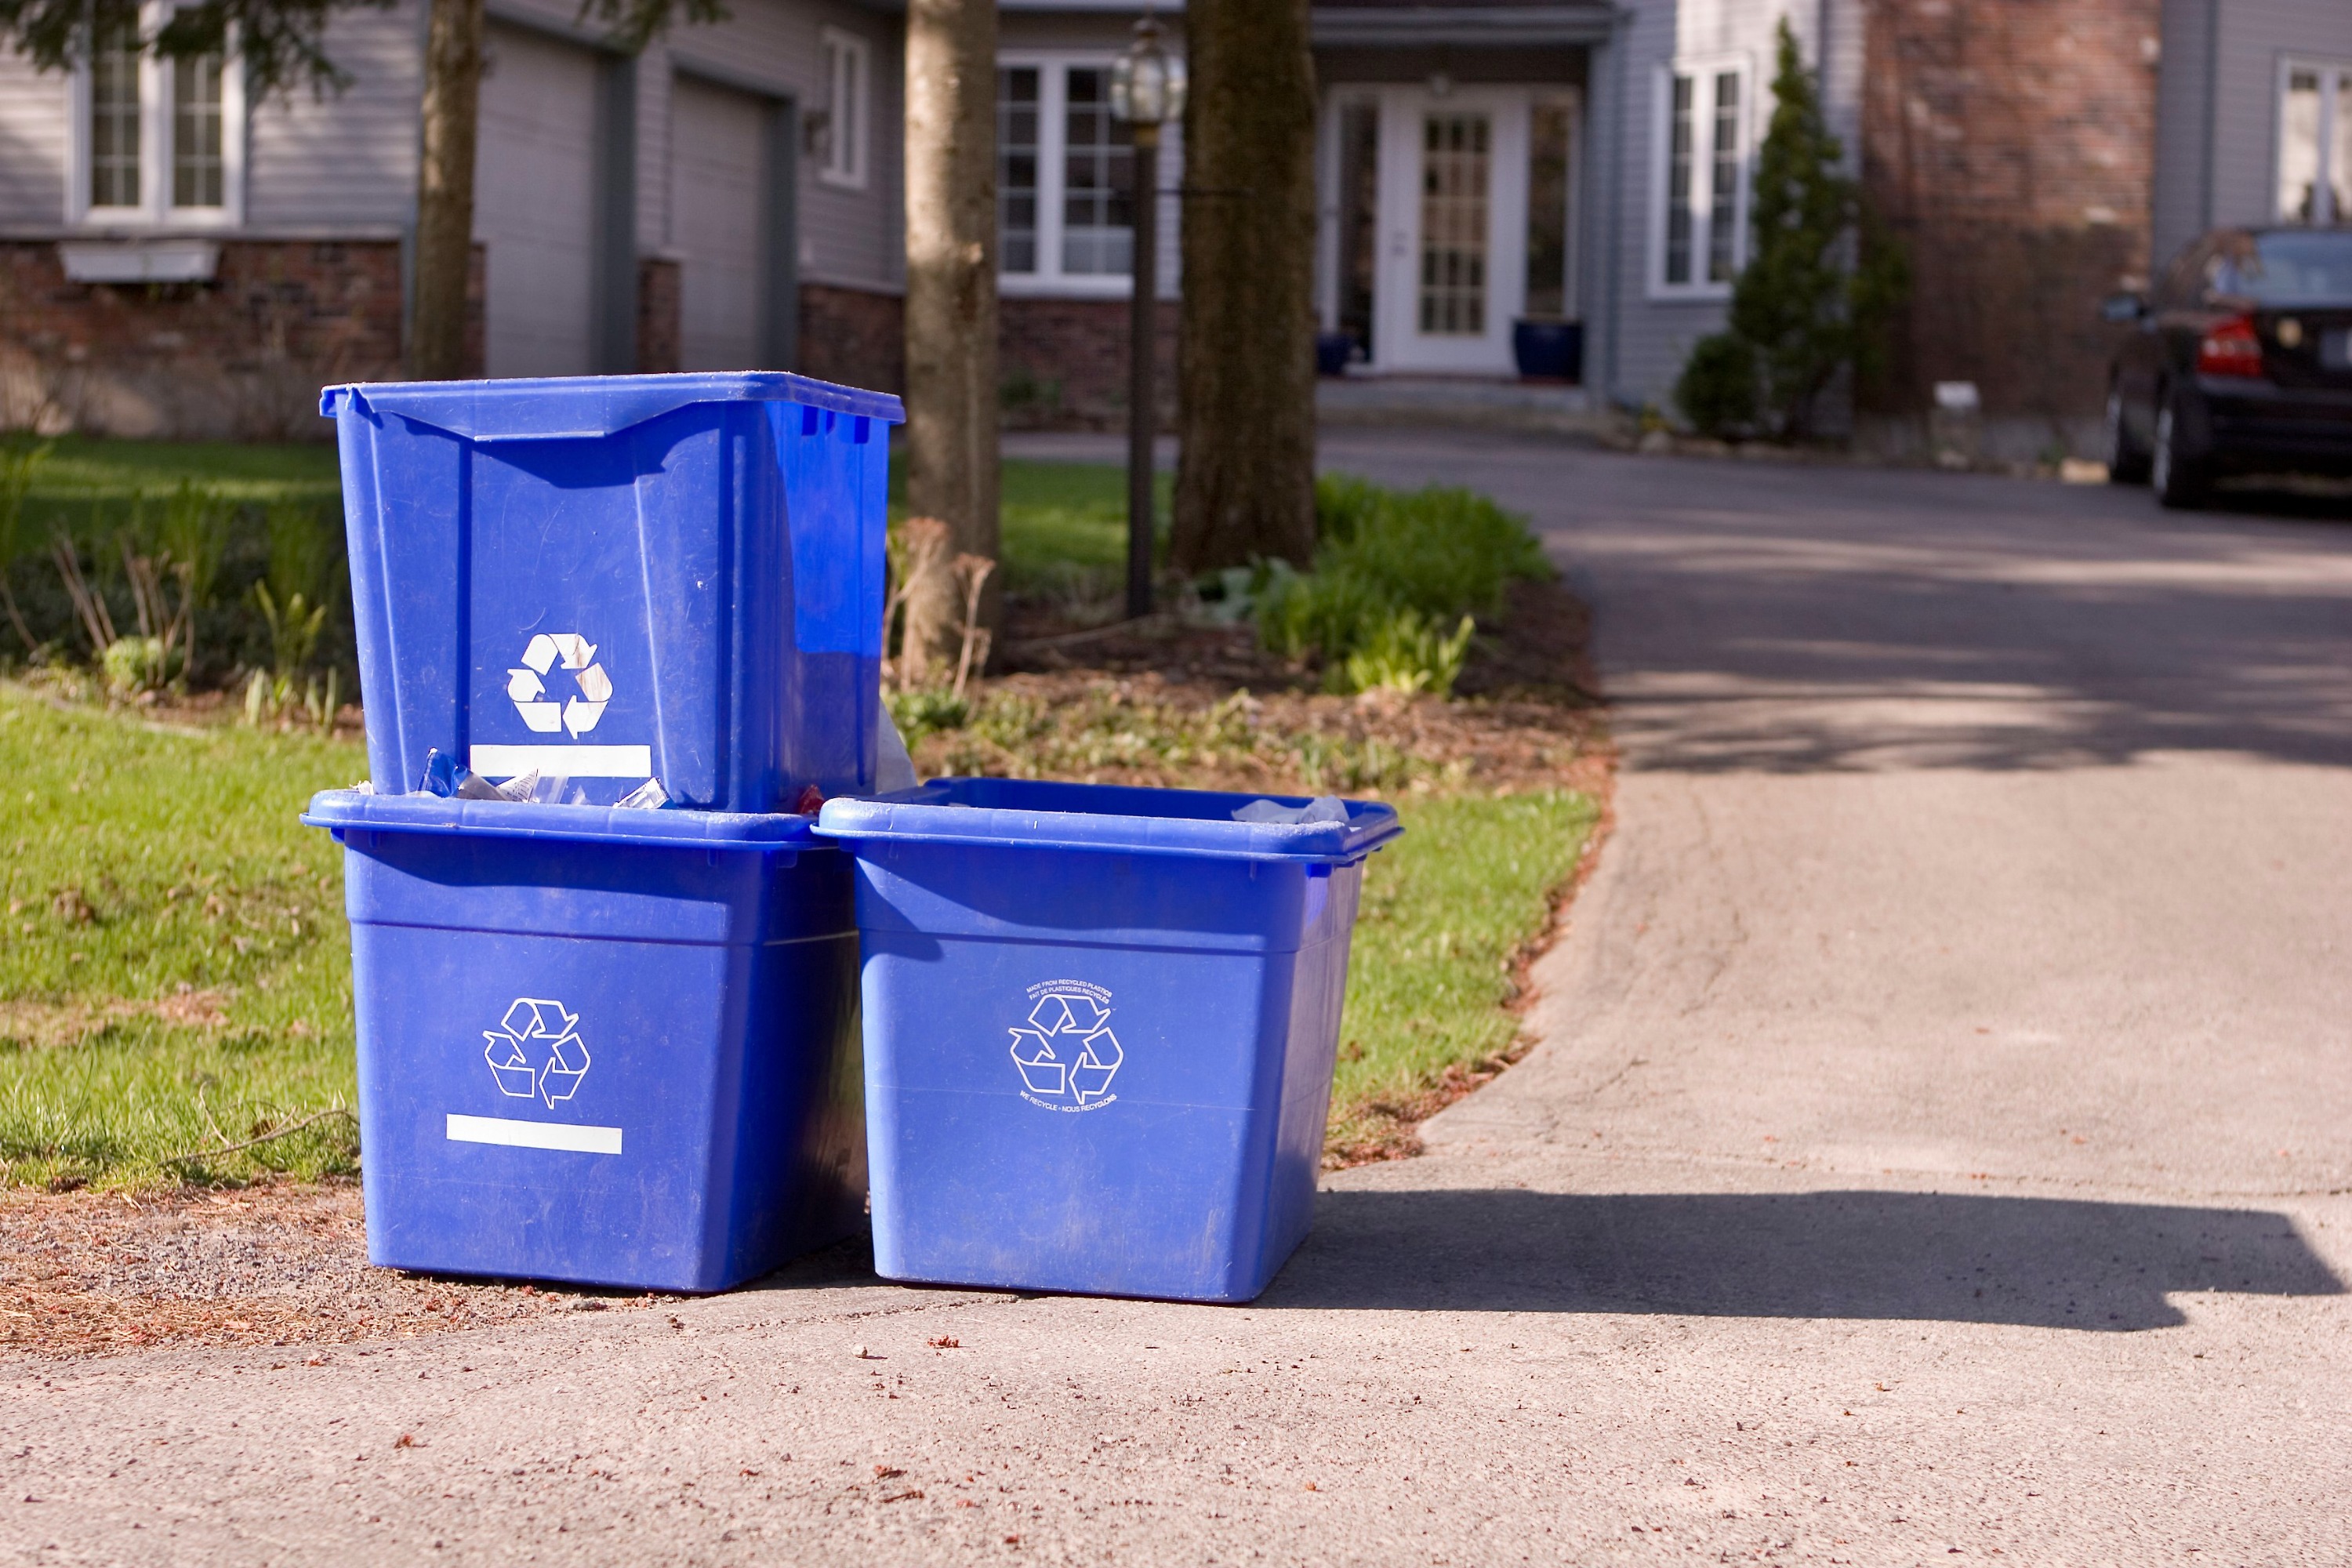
141 663
1716 390
20 462
926 711
292 597
1406 653
1819 282
1393 569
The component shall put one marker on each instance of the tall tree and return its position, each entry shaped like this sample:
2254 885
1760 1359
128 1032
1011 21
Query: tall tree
1246 361
1820 278
951 392
444 189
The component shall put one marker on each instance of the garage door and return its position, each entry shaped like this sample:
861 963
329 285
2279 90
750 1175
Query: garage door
718 186
535 203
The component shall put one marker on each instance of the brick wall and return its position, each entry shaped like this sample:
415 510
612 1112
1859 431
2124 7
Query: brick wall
2010 144
241 357
853 336
659 319
1062 364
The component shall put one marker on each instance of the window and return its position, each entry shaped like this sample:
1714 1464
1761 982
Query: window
153 141
1064 179
1017 146
2314 147
1098 183
1456 170
1699 224
846 114
1551 155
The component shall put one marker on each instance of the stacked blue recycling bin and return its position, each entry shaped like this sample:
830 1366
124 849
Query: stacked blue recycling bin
1100 1027
601 1044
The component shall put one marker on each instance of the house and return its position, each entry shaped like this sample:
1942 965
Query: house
177 259
731 197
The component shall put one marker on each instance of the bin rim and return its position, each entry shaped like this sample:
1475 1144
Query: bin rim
347 810
587 407
929 814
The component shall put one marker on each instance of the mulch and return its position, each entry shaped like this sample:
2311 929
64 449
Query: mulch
284 1265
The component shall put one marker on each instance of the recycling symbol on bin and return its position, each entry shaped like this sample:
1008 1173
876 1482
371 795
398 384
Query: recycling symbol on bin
1067 1053
526 683
534 1052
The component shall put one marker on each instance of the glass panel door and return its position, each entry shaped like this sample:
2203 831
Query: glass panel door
1359 218
1456 170
1550 133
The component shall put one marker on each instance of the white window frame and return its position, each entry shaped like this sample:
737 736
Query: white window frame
1703 71
1053 159
2332 75
156 127
848 140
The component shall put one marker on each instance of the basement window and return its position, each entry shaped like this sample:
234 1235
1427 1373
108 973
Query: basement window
153 142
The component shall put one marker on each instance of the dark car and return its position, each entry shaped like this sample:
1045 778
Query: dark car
2241 364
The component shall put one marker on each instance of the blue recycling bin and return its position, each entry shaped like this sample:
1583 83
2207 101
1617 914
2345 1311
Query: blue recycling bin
605 1046
608 579
1100 1027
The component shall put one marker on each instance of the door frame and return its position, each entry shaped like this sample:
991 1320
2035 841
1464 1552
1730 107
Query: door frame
1398 344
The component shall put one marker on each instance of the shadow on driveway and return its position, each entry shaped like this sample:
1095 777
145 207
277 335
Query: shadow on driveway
1793 619
1947 1258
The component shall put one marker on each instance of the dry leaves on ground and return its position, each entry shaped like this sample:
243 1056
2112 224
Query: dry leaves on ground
91 1273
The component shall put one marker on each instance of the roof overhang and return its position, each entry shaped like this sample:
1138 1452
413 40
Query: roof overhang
1469 26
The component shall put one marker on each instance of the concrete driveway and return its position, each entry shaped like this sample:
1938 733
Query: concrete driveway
1938 1150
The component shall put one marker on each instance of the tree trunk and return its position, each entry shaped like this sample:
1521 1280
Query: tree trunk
444 189
952 414
1245 376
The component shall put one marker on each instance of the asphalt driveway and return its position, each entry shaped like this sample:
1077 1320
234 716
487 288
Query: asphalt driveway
1940 1148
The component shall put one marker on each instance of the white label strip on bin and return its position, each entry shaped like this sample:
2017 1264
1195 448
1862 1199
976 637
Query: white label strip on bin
567 1136
564 762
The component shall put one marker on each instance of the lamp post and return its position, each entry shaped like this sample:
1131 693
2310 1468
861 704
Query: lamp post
1147 91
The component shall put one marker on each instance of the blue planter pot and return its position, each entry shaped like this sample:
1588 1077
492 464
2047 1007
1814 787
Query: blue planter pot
1549 350
1332 351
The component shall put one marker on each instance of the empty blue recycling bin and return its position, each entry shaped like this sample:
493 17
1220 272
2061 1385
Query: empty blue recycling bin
609 1047
607 579
1100 1026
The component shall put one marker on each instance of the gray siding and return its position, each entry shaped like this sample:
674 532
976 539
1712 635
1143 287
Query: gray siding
344 163
2182 195
1650 337
32 144
2253 37
853 237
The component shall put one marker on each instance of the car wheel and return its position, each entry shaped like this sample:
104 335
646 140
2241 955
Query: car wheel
2126 464
2179 482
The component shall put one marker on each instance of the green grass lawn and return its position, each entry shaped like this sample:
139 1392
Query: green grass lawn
175 976
1445 911
1063 528
176 973
82 475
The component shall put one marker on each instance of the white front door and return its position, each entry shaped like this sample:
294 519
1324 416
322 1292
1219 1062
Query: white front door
1453 226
